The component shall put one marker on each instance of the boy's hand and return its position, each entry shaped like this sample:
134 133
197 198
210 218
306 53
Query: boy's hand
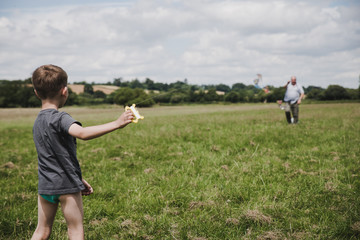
88 189
125 119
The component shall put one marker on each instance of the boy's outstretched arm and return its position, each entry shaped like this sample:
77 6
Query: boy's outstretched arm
87 133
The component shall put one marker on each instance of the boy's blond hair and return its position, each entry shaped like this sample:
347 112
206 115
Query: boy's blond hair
48 80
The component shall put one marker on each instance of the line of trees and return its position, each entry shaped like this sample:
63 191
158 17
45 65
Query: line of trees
20 93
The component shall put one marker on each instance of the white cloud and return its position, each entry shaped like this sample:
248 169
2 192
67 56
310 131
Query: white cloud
207 42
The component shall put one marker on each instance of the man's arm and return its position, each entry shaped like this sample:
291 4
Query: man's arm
301 97
286 84
87 133
302 93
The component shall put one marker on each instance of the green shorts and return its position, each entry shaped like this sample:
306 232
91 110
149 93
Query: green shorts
51 198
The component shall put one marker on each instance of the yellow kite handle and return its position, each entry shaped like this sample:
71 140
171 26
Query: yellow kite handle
135 113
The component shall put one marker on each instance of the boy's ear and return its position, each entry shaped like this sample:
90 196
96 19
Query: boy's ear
64 91
36 94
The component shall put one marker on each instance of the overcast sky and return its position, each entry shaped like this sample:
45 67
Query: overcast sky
204 41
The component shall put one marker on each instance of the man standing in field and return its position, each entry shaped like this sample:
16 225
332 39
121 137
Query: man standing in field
294 94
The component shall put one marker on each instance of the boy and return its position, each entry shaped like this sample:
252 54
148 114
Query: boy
55 133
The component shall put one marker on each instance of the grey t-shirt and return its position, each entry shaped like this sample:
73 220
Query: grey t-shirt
293 93
58 168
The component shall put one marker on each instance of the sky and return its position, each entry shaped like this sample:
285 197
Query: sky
202 41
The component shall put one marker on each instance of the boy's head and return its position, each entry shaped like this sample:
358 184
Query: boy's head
48 80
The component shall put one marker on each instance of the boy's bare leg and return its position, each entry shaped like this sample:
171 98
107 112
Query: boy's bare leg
46 216
72 208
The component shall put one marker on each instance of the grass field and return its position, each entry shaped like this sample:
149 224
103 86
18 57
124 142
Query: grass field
199 172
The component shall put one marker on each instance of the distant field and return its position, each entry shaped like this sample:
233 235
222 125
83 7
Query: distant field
107 89
199 172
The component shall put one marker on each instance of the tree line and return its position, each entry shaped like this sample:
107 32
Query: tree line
19 93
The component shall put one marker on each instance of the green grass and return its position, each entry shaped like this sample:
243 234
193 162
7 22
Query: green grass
200 172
